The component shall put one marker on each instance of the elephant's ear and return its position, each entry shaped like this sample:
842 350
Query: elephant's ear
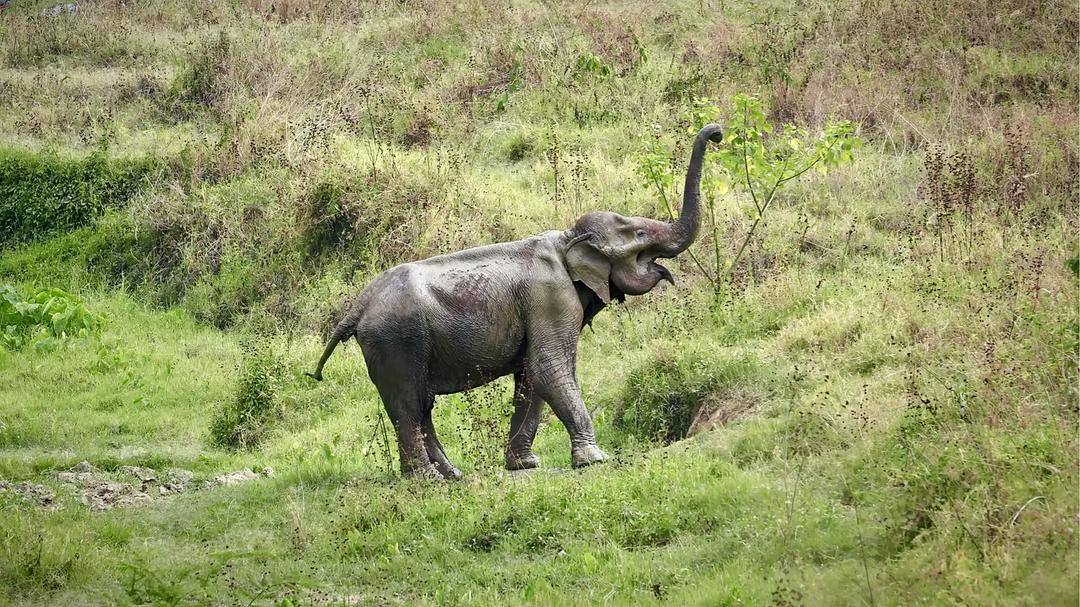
590 266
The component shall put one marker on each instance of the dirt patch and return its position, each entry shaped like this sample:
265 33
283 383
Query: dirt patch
39 495
130 486
127 487
240 476
103 495
176 481
722 408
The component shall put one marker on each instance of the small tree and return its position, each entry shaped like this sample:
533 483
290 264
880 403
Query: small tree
753 162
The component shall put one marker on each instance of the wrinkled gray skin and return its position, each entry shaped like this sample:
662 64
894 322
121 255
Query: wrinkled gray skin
457 321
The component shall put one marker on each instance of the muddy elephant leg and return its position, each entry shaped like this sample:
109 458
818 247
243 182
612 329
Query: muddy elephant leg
408 423
523 424
435 450
551 366
406 399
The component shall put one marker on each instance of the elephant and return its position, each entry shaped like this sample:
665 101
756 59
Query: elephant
457 321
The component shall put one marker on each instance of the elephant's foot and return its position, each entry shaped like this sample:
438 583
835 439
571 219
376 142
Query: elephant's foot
525 461
587 455
428 471
448 471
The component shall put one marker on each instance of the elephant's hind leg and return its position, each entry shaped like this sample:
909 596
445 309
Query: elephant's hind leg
523 424
412 446
435 451
406 399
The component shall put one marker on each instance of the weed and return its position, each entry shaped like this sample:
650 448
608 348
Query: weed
197 87
36 562
45 318
245 420
486 418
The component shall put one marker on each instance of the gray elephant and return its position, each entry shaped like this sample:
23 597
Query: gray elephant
458 321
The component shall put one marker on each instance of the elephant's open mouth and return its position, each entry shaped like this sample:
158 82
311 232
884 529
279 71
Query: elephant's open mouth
647 261
664 274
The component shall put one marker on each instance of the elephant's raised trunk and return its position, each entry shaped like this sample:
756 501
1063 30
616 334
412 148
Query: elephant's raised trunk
684 230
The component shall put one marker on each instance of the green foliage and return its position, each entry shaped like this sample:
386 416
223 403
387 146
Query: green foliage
45 318
243 421
756 158
662 396
515 79
42 194
589 66
753 159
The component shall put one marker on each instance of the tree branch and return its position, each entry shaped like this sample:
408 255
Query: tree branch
746 166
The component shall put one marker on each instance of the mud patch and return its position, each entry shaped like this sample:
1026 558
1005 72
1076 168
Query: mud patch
39 495
722 408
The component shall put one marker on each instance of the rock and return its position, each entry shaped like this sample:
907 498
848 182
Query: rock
232 478
31 492
176 481
84 466
104 495
74 478
145 475
79 474
59 9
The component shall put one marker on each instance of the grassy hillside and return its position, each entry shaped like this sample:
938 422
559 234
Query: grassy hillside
889 369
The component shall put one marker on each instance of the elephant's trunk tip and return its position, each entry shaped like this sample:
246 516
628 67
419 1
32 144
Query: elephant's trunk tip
317 375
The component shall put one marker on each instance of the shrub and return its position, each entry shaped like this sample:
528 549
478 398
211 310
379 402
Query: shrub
662 396
41 194
243 421
47 316
197 87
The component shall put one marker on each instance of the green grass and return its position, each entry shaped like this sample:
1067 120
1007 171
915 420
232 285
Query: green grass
904 395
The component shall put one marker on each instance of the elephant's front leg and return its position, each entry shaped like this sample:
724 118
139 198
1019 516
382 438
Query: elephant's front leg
523 424
551 367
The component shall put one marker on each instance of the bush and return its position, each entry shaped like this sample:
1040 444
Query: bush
662 396
41 194
47 316
242 422
197 88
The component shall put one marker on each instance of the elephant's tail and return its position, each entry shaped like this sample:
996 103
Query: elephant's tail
344 329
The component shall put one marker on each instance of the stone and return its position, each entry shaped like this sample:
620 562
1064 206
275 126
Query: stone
104 495
37 494
232 478
145 475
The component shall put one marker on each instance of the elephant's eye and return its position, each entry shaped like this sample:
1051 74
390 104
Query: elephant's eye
641 233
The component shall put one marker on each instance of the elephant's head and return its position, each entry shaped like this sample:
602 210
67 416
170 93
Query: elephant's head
616 255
